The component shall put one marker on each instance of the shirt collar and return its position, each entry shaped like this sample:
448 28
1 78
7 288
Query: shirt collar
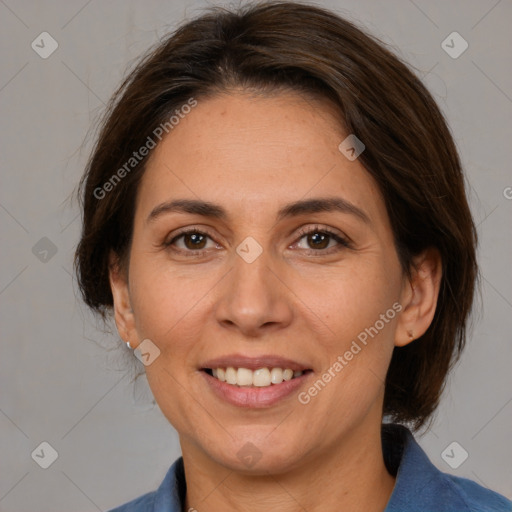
170 496
419 484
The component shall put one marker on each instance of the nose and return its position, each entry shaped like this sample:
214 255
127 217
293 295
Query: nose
254 299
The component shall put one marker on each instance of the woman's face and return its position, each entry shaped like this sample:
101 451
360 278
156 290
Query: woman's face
290 264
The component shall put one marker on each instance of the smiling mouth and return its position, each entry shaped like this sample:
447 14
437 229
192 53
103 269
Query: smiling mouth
260 378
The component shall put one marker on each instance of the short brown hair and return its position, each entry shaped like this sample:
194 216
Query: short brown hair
409 152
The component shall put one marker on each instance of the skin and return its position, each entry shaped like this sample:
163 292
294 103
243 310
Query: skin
252 155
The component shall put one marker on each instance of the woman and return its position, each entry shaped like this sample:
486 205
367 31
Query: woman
275 214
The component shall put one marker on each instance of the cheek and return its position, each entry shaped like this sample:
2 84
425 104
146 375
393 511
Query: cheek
361 314
359 305
164 300
352 299
170 310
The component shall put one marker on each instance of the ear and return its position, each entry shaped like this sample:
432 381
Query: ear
419 297
123 313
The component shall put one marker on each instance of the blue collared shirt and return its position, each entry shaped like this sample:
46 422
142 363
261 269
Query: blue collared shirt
419 486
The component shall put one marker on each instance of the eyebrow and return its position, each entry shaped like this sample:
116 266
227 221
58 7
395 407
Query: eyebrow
304 206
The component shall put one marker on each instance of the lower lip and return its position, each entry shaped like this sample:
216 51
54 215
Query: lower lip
254 397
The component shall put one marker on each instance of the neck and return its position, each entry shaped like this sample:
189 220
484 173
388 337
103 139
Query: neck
351 476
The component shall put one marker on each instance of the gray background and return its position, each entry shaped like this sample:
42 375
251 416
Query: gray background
64 381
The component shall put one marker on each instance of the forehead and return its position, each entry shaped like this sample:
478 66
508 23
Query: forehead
256 152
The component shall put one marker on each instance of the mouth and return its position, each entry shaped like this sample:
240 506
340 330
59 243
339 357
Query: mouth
259 378
255 382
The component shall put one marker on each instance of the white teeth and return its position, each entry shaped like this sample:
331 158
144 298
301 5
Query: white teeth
287 374
231 375
262 377
244 377
276 375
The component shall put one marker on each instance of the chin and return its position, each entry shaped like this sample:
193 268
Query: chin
256 453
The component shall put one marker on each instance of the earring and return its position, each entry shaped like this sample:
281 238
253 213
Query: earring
128 344
410 334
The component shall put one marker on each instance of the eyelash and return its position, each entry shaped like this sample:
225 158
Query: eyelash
302 233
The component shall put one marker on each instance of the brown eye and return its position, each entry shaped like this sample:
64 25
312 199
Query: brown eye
194 240
191 242
318 240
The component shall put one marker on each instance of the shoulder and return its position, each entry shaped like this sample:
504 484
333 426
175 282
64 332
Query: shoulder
421 487
141 504
476 497
168 497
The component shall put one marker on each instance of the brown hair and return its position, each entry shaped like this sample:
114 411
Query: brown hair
409 152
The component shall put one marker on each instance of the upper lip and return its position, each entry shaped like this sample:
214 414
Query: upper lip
253 363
